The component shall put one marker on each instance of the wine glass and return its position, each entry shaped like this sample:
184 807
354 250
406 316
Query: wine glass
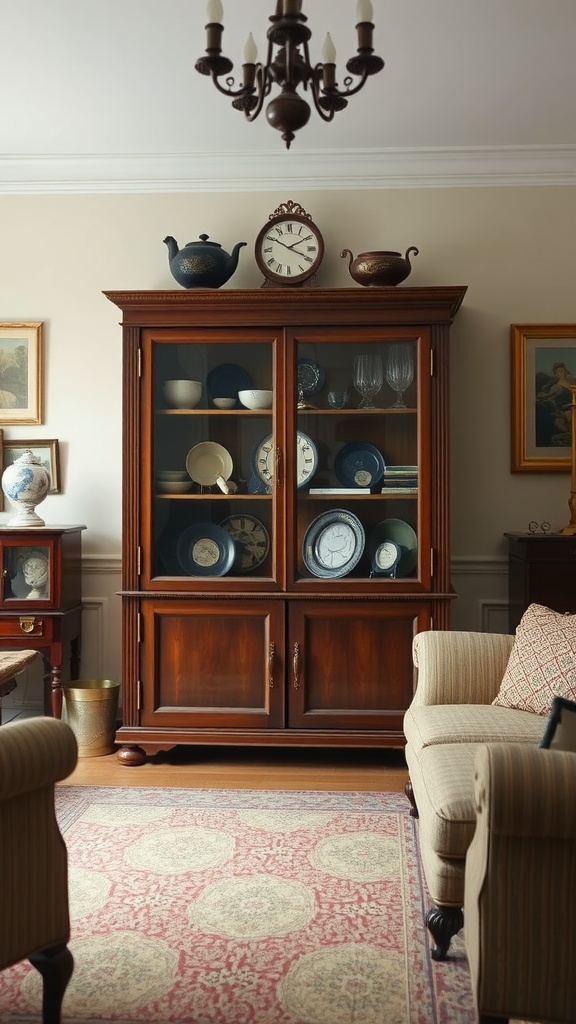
400 371
368 379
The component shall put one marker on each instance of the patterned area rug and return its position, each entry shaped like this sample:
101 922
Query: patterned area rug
241 907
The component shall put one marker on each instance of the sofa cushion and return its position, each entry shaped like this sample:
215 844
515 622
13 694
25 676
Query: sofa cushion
436 724
542 663
560 733
443 783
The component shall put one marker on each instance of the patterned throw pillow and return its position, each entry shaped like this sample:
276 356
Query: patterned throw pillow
542 663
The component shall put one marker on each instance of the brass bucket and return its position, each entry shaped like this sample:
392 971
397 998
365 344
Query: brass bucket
90 708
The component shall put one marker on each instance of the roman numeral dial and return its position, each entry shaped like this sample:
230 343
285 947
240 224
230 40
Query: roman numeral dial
289 249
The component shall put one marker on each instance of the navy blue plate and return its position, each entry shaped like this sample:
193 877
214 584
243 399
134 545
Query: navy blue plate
205 549
359 464
226 380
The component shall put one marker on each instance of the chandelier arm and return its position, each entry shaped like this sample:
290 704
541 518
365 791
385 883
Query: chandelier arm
352 91
262 89
315 90
229 91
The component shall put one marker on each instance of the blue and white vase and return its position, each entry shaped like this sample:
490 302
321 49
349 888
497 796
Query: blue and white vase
26 483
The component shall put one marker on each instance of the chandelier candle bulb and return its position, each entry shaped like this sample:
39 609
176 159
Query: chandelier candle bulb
364 10
215 11
250 50
328 51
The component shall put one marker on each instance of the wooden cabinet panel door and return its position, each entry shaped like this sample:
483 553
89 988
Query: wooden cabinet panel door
213 664
350 663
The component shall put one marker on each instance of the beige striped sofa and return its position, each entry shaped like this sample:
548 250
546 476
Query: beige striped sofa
520 885
450 717
35 753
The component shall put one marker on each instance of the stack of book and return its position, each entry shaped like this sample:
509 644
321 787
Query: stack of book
400 480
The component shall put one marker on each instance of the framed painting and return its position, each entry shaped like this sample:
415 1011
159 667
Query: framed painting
21 373
543 370
47 451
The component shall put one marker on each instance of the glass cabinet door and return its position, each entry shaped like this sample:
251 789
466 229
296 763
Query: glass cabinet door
358 479
210 418
26 572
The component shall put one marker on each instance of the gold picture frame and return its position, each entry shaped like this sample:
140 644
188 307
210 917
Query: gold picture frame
21 373
47 451
543 369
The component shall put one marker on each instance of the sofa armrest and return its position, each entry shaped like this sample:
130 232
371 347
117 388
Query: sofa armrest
520 888
35 753
459 667
521 790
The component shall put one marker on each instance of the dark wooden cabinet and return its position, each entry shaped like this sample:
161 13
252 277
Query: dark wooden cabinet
41 598
254 610
541 570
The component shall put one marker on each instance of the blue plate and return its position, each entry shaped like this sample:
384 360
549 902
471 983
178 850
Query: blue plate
333 544
359 464
226 380
205 549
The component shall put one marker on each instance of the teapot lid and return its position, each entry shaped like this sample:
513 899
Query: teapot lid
204 240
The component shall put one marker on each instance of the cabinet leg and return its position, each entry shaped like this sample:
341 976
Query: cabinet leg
131 756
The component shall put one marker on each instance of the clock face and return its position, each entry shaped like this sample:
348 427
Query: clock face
251 541
289 249
336 545
306 460
387 555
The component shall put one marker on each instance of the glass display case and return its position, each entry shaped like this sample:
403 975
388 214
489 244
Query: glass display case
41 598
285 512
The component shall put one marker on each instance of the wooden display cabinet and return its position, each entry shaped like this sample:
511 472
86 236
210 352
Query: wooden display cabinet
262 615
41 598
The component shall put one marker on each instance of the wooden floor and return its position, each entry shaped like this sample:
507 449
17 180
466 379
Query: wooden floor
251 768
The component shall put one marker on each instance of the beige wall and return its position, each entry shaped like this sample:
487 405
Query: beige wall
515 248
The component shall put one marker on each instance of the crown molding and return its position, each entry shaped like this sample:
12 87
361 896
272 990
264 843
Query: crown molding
322 170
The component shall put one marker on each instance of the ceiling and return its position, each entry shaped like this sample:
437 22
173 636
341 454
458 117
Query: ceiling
100 95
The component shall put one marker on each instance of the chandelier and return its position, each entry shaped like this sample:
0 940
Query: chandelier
288 66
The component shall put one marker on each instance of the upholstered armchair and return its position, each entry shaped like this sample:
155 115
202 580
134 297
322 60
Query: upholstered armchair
35 754
520 885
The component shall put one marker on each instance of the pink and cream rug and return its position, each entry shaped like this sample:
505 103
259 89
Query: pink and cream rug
241 907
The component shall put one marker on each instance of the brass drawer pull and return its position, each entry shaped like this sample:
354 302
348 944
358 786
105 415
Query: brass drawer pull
296 665
28 624
271 650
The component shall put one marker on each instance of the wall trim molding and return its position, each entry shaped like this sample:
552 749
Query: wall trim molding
321 170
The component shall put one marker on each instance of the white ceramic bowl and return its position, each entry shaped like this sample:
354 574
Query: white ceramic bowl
182 394
172 474
174 486
256 399
224 403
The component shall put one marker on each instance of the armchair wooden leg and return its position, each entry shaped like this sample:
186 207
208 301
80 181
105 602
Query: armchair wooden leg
56 966
410 794
443 923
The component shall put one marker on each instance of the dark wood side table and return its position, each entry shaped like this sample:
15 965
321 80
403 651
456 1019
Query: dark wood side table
541 569
41 598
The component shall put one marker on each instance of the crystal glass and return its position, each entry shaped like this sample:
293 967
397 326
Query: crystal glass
400 371
368 379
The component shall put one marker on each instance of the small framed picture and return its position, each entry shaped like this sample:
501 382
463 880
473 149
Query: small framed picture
47 451
543 373
21 373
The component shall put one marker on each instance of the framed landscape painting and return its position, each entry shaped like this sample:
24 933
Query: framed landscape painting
47 451
543 371
21 373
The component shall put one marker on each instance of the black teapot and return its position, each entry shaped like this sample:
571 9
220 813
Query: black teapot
201 264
